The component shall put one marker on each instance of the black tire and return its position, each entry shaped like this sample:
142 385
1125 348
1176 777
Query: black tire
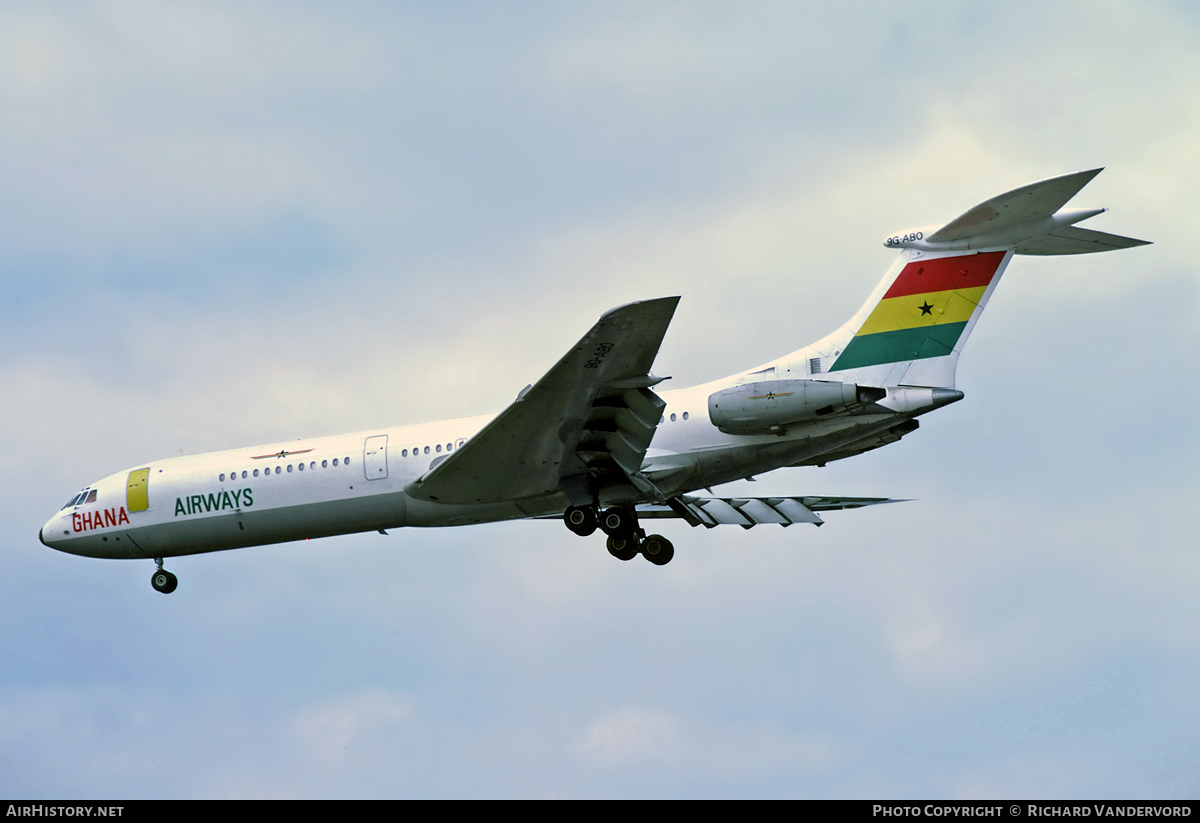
617 522
581 520
622 548
658 550
163 581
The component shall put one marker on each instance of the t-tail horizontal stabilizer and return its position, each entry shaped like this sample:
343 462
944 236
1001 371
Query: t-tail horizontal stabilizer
1029 220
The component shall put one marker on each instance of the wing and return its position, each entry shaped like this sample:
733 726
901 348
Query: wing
589 420
1023 205
749 512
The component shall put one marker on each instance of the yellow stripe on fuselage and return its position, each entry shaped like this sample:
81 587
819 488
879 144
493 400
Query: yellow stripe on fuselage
953 306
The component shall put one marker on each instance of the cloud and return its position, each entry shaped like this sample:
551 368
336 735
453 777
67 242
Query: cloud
332 728
629 736
224 225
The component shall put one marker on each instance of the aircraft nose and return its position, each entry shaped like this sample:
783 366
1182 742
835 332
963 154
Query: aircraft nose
47 533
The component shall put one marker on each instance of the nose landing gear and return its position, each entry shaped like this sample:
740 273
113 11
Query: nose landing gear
162 580
626 539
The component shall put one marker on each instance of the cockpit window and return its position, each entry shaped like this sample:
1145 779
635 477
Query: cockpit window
85 496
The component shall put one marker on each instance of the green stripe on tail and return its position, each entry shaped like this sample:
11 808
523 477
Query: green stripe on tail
897 346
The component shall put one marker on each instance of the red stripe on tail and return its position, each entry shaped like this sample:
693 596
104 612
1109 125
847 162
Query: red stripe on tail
943 273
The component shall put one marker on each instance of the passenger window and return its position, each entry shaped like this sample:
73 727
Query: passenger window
685 415
345 461
335 461
277 470
324 464
256 472
439 448
289 468
221 479
301 467
243 475
427 450
672 417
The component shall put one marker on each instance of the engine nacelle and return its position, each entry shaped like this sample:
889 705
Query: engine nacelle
770 406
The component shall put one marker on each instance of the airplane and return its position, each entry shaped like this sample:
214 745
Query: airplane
595 442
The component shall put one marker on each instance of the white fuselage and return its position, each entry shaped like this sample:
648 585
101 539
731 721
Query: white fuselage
355 483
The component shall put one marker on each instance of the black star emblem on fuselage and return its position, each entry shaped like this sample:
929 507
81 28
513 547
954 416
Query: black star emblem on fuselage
926 308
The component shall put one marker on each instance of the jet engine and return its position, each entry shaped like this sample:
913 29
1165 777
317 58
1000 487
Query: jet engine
770 406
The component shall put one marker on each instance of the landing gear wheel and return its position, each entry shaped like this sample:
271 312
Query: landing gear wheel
617 521
658 550
622 548
581 520
163 581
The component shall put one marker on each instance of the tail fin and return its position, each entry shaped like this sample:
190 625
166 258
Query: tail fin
914 326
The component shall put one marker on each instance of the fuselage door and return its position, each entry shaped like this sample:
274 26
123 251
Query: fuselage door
375 457
137 492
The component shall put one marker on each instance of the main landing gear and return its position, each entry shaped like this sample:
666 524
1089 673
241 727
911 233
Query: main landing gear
626 539
162 580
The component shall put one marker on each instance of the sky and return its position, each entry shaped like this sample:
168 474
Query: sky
224 224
